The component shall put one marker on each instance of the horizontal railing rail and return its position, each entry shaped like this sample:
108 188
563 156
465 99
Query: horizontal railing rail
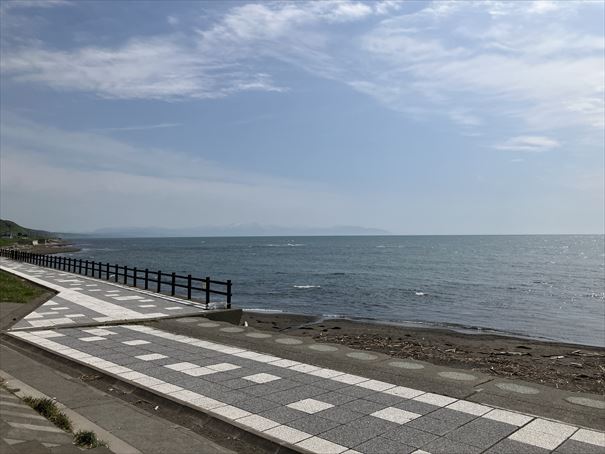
145 278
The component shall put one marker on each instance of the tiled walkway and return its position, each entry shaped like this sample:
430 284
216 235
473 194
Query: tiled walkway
81 300
306 407
314 409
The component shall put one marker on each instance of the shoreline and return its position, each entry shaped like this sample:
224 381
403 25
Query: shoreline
561 365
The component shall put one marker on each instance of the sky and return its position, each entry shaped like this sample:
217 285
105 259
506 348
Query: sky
415 117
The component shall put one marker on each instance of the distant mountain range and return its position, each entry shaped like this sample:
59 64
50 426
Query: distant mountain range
233 230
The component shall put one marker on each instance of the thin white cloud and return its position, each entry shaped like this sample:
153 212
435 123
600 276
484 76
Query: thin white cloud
58 172
528 144
139 127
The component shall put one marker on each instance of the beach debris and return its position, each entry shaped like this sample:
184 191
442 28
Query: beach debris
245 323
512 353
156 407
557 357
582 353
576 364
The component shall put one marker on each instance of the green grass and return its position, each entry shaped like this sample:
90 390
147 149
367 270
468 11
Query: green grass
87 439
48 408
13 289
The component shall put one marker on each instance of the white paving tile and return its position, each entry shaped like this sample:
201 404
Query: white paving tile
539 439
395 415
321 446
508 417
589 436
435 399
306 368
231 412
310 405
326 373
181 366
199 371
349 379
402 391
92 339
375 385
166 388
262 378
257 422
99 332
148 381
287 434
551 427
469 407
223 367
136 342
150 357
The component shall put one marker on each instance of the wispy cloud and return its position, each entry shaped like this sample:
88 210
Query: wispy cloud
61 173
139 127
470 62
528 144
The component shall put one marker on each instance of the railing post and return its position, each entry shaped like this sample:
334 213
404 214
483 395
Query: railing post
92 269
106 271
100 270
189 286
86 268
134 276
80 266
146 278
173 284
229 294
159 286
207 289
125 274
115 274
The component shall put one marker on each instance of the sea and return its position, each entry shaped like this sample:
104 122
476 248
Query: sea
547 287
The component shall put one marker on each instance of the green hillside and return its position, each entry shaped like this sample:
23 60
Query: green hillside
10 228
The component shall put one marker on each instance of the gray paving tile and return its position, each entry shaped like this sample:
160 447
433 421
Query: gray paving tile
313 424
385 399
508 446
258 405
447 446
356 391
414 406
381 445
482 432
340 415
335 398
577 447
435 426
362 406
294 394
452 415
282 414
410 436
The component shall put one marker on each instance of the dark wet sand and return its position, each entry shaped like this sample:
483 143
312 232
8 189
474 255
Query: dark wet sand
581 368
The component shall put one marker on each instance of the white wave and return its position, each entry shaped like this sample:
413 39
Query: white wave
420 293
307 286
284 245
254 309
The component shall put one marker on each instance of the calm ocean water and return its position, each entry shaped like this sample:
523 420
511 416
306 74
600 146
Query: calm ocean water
540 286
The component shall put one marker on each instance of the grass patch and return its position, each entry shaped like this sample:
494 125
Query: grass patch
87 439
13 289
48 408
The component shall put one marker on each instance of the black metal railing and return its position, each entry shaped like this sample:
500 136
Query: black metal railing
155 281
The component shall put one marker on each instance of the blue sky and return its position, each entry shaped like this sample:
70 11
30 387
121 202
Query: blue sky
415 117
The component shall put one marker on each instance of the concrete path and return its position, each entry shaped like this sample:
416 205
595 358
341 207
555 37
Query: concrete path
20 424
302 405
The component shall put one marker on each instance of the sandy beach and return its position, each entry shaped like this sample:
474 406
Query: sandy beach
564 366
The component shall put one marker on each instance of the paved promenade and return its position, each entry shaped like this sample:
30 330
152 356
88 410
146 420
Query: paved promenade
82 300
301 405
